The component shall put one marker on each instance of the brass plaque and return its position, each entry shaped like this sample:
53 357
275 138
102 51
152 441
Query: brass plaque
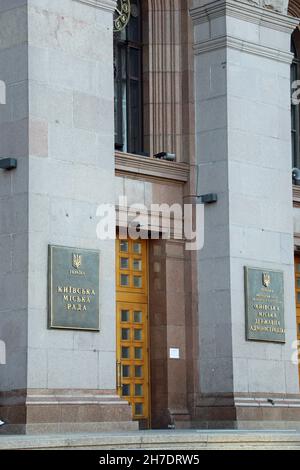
74 289
264 292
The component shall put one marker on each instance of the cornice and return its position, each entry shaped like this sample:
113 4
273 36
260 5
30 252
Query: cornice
244 11
150 168
230 42
107 5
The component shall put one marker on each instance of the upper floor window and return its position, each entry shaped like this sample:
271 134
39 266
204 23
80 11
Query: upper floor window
295 75
128 84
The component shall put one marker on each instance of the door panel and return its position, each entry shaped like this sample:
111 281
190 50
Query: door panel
132 327
132 268
132 356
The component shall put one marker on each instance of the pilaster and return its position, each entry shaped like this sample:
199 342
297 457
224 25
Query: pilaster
59 123
242 86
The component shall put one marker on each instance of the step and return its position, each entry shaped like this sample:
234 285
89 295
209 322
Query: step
152 440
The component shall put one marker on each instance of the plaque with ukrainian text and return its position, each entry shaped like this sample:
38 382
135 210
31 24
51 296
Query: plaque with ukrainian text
74 289
264 292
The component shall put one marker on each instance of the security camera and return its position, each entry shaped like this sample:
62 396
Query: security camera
135 225
170 157
296 176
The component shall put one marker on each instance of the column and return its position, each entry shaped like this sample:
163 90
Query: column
57 60
242 86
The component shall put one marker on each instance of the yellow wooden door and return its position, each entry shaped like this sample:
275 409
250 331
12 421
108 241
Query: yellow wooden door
297 275
132 327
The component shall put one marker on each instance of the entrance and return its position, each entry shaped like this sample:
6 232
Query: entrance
132 327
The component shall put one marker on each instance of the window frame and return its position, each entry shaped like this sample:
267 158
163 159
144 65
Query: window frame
129 138
295 108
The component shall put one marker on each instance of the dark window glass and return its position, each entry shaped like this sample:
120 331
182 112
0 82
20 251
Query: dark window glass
295 109
128 84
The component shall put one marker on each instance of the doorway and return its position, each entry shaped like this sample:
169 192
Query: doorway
133 382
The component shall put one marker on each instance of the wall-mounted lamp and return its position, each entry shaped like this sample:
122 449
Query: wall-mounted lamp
8 164
170 157
296 176
208 198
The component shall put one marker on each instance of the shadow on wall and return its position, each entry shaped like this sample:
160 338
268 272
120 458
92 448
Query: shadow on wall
2 92
2 353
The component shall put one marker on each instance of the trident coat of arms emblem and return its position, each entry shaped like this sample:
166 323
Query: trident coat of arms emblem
266 279
77 261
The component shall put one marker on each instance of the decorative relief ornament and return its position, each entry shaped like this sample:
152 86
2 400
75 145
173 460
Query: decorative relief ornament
277 5
122 15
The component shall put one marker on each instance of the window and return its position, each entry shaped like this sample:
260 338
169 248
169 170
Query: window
295 75
128 84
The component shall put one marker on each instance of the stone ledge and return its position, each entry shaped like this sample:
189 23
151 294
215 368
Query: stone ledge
62 428
248 47
61 396
249 399
150 168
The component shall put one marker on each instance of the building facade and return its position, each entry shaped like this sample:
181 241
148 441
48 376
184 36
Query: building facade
151 103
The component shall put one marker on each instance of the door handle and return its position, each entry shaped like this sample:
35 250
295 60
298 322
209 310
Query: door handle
119 374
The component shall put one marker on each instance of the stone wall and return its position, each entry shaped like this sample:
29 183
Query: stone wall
14 189
71 173
56 58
